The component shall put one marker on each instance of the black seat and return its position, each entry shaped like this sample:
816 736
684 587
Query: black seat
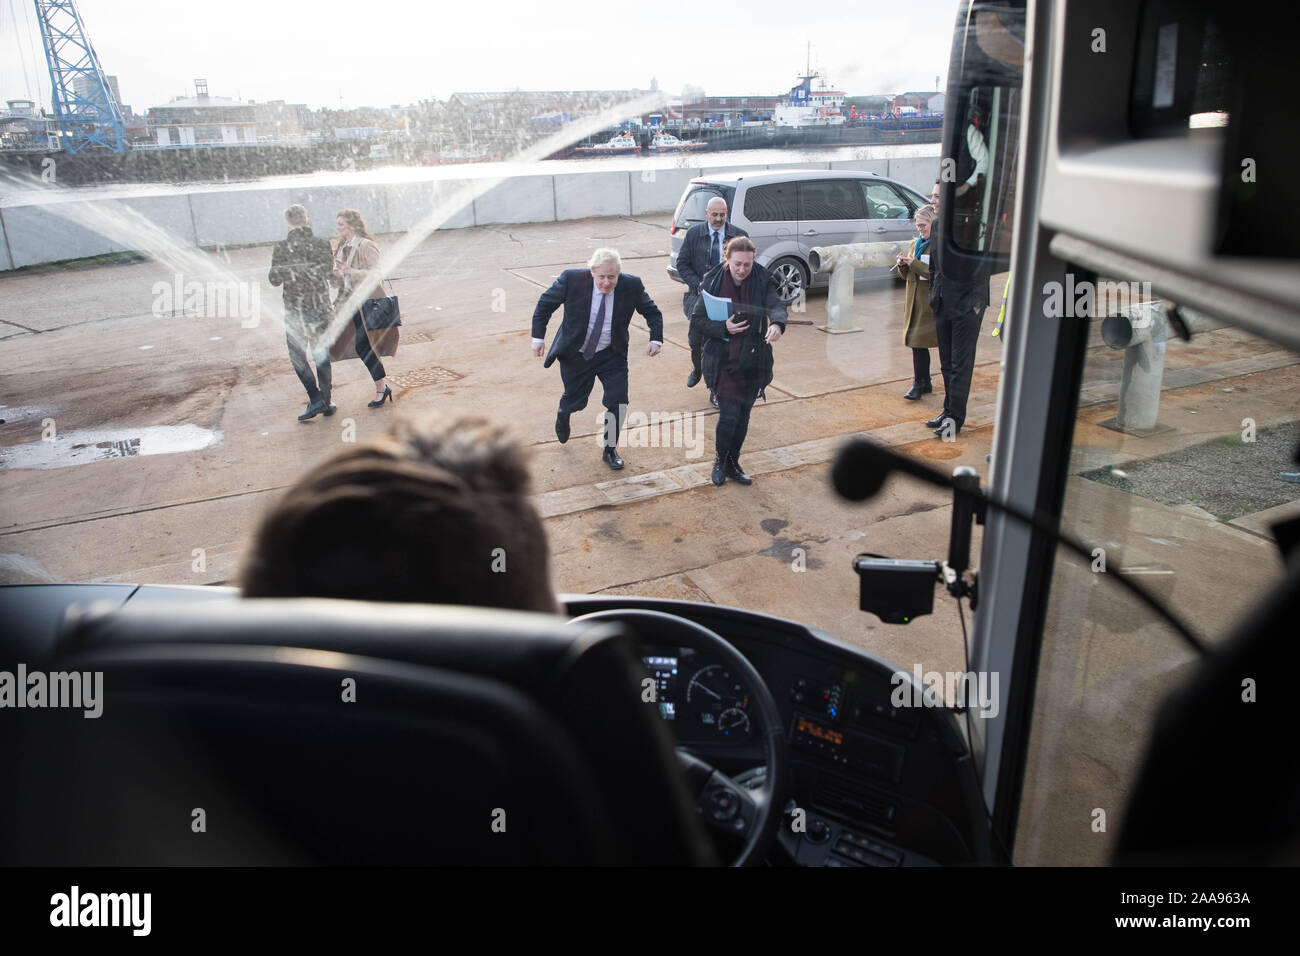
342 732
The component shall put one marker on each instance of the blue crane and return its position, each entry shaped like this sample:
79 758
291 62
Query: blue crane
87 111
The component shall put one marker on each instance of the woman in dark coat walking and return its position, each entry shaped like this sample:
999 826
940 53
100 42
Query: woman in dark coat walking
737 360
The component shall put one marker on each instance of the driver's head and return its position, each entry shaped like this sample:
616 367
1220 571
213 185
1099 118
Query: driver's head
436 514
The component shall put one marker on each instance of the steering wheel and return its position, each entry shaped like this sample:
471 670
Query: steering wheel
724 805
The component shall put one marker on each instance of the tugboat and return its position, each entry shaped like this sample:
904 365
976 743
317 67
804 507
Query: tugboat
621 145
668 143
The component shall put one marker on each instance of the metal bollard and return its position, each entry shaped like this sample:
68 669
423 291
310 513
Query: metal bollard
1141 330
840 262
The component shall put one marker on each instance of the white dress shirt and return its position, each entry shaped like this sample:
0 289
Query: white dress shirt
606 331
978 151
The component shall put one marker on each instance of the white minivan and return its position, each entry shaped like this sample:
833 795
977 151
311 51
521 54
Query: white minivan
791 211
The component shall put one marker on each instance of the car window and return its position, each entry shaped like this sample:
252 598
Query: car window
775 202
914 199
884 202
831 199
691 209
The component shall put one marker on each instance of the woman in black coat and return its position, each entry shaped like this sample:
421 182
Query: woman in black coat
737 360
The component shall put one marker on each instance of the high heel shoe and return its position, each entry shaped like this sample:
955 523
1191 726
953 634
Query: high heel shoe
379 402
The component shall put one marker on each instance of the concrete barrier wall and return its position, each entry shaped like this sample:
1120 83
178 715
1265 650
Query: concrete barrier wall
37 235
919 172
252 214
6 263
410 203
589 195
657 190
518 199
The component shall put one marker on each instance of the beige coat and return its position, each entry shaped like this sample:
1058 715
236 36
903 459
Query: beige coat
364 260
918 319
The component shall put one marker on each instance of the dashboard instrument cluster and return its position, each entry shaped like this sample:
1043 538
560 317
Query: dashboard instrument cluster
702 699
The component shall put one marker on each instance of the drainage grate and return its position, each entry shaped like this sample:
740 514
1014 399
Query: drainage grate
425 376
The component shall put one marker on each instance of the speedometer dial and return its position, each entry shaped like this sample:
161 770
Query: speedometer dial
718 701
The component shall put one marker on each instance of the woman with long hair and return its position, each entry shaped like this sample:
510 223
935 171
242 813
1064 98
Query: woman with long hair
355 259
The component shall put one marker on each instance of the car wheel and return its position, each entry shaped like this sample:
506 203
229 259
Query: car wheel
791 278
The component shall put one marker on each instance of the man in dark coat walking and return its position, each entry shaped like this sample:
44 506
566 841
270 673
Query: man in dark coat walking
958 298
303 264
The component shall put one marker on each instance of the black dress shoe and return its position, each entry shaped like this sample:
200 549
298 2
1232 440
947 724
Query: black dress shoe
562 427
942 430
719 471
713 399
314 408
611 458
915 392
734 471
935 422
385 396
693 379
329 409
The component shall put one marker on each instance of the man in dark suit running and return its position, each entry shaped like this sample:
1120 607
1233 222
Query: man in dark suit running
701 251
593 339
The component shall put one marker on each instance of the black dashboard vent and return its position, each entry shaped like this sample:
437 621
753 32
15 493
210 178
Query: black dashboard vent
844 800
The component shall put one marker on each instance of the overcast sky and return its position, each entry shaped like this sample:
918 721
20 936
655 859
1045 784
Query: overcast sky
358 53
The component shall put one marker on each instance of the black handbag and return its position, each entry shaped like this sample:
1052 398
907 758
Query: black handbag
381 313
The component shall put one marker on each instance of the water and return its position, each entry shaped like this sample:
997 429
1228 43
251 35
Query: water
80 447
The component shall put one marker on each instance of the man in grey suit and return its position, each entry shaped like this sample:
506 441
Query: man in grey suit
701 251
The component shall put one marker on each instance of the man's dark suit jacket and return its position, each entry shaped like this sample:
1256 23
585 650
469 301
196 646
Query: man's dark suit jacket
573 289
693 259
303 264
952 294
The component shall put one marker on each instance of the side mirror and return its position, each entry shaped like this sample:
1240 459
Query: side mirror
977 173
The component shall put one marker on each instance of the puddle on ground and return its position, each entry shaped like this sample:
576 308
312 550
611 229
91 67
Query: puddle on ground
82 447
